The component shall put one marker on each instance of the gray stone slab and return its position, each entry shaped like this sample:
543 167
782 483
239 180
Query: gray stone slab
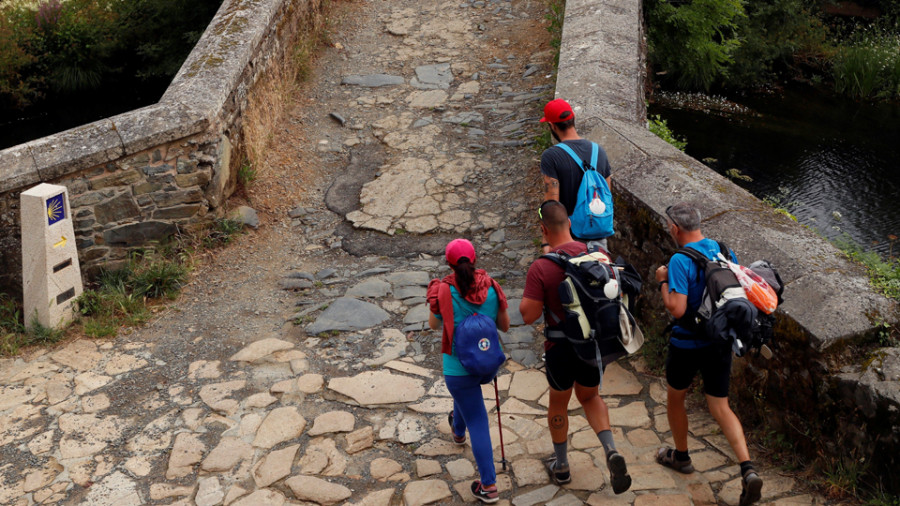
373 271
135 234
407 292
417 314
17 168
409 278
433 77
370 288
415 327
539 496
347 314
520 335
157 124
373 80
77 148
464 117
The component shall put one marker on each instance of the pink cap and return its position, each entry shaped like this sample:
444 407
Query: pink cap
458 248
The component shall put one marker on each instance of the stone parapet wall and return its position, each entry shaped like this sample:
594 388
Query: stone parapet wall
139 176
804 391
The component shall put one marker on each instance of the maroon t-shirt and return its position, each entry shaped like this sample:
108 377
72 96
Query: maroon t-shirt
543 279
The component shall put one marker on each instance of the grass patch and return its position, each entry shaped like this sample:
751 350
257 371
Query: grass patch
246 174
221 232
123 297
661 129
13 334
884 274
869 65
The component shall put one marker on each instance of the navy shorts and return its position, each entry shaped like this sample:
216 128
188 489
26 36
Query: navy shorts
712 362
563 368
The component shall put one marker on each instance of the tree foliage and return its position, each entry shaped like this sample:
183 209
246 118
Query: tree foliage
60 48
694 41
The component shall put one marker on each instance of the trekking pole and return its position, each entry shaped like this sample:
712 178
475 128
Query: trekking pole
500 425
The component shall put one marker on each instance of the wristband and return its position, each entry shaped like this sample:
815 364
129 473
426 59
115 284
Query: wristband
661 283
545 244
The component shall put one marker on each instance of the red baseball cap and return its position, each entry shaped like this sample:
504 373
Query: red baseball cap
458 248
555 111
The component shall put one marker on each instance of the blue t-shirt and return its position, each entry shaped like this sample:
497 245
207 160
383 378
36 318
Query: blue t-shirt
461 309
685 278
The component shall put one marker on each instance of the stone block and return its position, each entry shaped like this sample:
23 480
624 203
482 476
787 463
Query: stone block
120 178
146 187
136 234
76 149
120 208
177 213
186 166
198 178
157 124
19 168
51 274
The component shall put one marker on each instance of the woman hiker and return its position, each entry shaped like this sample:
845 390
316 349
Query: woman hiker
471 291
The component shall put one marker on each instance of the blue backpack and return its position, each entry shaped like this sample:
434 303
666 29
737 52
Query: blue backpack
478 346
592 217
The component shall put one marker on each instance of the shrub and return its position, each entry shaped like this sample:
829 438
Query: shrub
661 129
693 42
869 65
775 36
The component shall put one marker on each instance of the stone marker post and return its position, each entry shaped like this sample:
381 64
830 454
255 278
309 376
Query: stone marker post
51 276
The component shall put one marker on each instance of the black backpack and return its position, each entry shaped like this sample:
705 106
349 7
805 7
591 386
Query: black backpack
595 296
724 312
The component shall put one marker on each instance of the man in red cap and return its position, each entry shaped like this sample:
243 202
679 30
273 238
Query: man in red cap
562 173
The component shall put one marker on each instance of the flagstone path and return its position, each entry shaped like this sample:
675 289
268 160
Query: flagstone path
292 372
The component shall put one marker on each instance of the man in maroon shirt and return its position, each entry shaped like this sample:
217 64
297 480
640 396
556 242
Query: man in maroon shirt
565 370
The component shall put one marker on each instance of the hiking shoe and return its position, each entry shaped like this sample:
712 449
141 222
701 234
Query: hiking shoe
485 496
460 440
666 457
751 488
559 474
618 472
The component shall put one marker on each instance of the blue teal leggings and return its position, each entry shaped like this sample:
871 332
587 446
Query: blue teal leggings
469 412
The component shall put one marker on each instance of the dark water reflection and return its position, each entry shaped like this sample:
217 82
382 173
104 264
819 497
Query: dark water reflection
833 163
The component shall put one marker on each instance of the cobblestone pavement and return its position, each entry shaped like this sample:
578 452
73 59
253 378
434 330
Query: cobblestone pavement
294 372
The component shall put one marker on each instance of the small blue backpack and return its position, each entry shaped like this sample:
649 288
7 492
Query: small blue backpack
592 217
478 346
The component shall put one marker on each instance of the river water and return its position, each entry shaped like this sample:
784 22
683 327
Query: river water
834 163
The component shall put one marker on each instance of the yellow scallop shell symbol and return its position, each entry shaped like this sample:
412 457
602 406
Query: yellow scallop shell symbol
54 210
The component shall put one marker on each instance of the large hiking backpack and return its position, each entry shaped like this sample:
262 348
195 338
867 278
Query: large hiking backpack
594 295
592 217
725 313
477 344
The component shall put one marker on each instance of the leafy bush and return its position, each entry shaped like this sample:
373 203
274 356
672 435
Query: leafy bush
54 49
776 36
693 42
660 127
869 65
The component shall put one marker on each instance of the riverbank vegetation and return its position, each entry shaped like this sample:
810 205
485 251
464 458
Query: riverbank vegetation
75 59
761 45
51 48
